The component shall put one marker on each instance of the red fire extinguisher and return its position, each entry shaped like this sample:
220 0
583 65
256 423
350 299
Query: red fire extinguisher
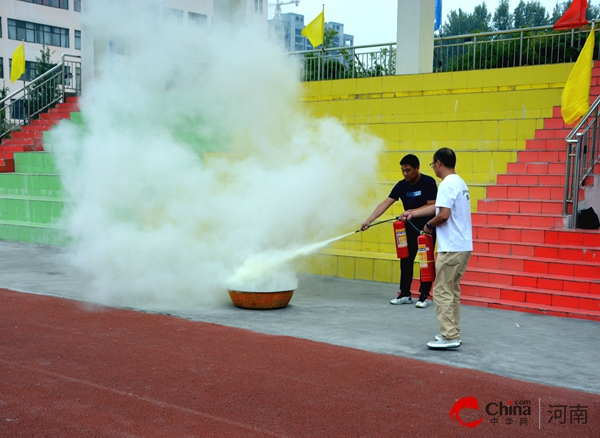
401 243
425 242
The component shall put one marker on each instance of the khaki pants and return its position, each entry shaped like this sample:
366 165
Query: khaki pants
449 269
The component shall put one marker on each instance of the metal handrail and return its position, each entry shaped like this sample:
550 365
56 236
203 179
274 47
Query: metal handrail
583 153
508 48
21 106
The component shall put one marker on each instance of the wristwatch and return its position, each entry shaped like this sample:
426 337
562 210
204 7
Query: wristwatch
429 226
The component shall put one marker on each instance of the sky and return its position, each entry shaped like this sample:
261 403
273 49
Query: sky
374 21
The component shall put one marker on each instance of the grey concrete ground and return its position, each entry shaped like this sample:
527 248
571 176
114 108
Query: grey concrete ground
543 349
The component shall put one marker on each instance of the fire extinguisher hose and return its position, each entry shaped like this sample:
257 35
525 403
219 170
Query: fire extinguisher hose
377 223
414 226
392 219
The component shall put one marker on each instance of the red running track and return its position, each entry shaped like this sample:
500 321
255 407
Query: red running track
70 370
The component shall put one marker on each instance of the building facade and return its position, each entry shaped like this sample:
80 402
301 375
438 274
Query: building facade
54 24
57 25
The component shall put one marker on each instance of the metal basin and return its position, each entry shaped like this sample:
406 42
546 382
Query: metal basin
260 300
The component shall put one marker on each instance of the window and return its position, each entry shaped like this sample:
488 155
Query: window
30 67
61 4
78 39
17 109
119 46
199 20
150 14
173 14
1 68
38 33
77 5
258 7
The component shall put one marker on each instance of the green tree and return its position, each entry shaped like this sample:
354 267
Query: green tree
4 123
45 94
462 23
593 12
43 62
530 14
503 19
457 23
481 18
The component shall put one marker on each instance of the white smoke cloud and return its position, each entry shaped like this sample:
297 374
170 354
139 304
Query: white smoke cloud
160 224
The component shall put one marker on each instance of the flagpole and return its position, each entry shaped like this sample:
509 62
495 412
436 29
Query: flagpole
24 75
321 73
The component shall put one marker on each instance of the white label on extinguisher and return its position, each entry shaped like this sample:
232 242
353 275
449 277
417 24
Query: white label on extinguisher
423 255
401 238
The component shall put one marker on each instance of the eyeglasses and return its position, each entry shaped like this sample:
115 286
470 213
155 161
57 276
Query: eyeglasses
431 164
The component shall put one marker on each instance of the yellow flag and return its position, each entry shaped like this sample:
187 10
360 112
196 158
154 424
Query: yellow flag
576 95
315 30
18 63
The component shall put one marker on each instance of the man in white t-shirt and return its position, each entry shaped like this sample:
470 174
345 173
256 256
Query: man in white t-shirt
452 222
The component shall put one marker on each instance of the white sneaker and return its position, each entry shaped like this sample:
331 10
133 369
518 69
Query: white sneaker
438 337
421 304
401 300
444 344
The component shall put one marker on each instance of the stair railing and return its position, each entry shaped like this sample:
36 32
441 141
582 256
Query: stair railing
583 152
20 107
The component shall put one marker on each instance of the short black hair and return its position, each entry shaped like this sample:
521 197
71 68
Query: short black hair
410 160
446 156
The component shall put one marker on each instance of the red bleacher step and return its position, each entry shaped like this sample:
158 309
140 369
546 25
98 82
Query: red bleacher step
45 124
585 286
520 206
515 234
36 142
20 148
548 155
24 133
536 168
7 165
54 116
559 311
540 250
540 265
550 144
555 123
553 133
529 295
518 219
531 179
505 191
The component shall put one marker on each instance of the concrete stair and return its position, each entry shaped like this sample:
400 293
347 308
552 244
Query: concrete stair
523 257
29 138
31 194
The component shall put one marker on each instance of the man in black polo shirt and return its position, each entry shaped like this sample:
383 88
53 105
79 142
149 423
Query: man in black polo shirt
415 190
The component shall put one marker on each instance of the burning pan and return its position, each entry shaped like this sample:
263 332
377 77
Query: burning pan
260 300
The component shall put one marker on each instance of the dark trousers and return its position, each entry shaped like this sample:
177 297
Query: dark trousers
407 265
